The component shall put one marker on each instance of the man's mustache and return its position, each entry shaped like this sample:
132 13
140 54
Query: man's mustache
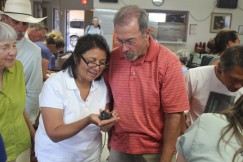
19 33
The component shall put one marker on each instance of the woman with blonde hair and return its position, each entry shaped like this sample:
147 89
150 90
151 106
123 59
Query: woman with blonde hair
52 45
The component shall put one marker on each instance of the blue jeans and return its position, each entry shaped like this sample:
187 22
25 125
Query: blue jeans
3 156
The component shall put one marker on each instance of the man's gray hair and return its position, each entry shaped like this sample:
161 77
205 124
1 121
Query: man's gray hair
7 32
39 25
127 14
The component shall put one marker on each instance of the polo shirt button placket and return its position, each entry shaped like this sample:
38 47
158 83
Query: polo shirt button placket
133 72
86 109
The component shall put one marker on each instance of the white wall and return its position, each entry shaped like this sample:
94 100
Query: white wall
106 23
199 13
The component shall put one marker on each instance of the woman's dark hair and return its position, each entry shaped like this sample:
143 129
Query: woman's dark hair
93 20
84 44
220 42
232 57
234 116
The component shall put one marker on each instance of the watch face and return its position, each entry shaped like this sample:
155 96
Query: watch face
158 2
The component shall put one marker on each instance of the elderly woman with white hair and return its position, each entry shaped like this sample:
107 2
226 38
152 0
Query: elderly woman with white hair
184 56
15 125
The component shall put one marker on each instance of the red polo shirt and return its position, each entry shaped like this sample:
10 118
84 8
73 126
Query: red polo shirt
143 91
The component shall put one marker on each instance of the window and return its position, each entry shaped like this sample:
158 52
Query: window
76 24
168 26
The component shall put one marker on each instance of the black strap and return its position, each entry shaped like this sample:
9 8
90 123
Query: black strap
18 13
88 29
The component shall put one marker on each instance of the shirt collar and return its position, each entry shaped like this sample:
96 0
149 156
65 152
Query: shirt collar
70 82
11 69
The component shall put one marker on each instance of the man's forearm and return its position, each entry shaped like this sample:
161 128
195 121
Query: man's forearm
171 132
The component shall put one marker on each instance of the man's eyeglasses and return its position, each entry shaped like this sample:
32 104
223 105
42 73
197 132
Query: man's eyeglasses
127 42
92 64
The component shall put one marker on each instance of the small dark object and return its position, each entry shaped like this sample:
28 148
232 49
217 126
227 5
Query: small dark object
104 115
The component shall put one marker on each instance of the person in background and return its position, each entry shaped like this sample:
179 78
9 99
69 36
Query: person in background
70 102
3 157
184 56
225 38
212 88
50 47
15 126
214 137
148 89
94 27
36 32
18 14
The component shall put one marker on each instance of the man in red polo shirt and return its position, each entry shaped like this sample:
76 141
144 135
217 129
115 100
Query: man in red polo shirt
149 92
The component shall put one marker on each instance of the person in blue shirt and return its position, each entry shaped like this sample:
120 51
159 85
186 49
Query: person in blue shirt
184 56
94 27
52 44
3 156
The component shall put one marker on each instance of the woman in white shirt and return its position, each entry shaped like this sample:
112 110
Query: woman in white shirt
70 102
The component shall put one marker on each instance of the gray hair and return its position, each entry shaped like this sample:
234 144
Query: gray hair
39 25
183 55
127 14
7 32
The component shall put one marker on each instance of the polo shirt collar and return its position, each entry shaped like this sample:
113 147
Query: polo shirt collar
153 50
11 69
70 82
151 54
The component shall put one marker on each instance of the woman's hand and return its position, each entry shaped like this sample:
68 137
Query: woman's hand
106 125
57 130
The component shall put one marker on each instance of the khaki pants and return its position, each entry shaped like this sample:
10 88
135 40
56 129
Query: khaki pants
116 156
23 157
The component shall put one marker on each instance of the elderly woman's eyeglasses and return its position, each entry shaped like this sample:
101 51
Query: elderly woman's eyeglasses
92 64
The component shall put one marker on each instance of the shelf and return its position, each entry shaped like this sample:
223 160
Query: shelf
169 42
